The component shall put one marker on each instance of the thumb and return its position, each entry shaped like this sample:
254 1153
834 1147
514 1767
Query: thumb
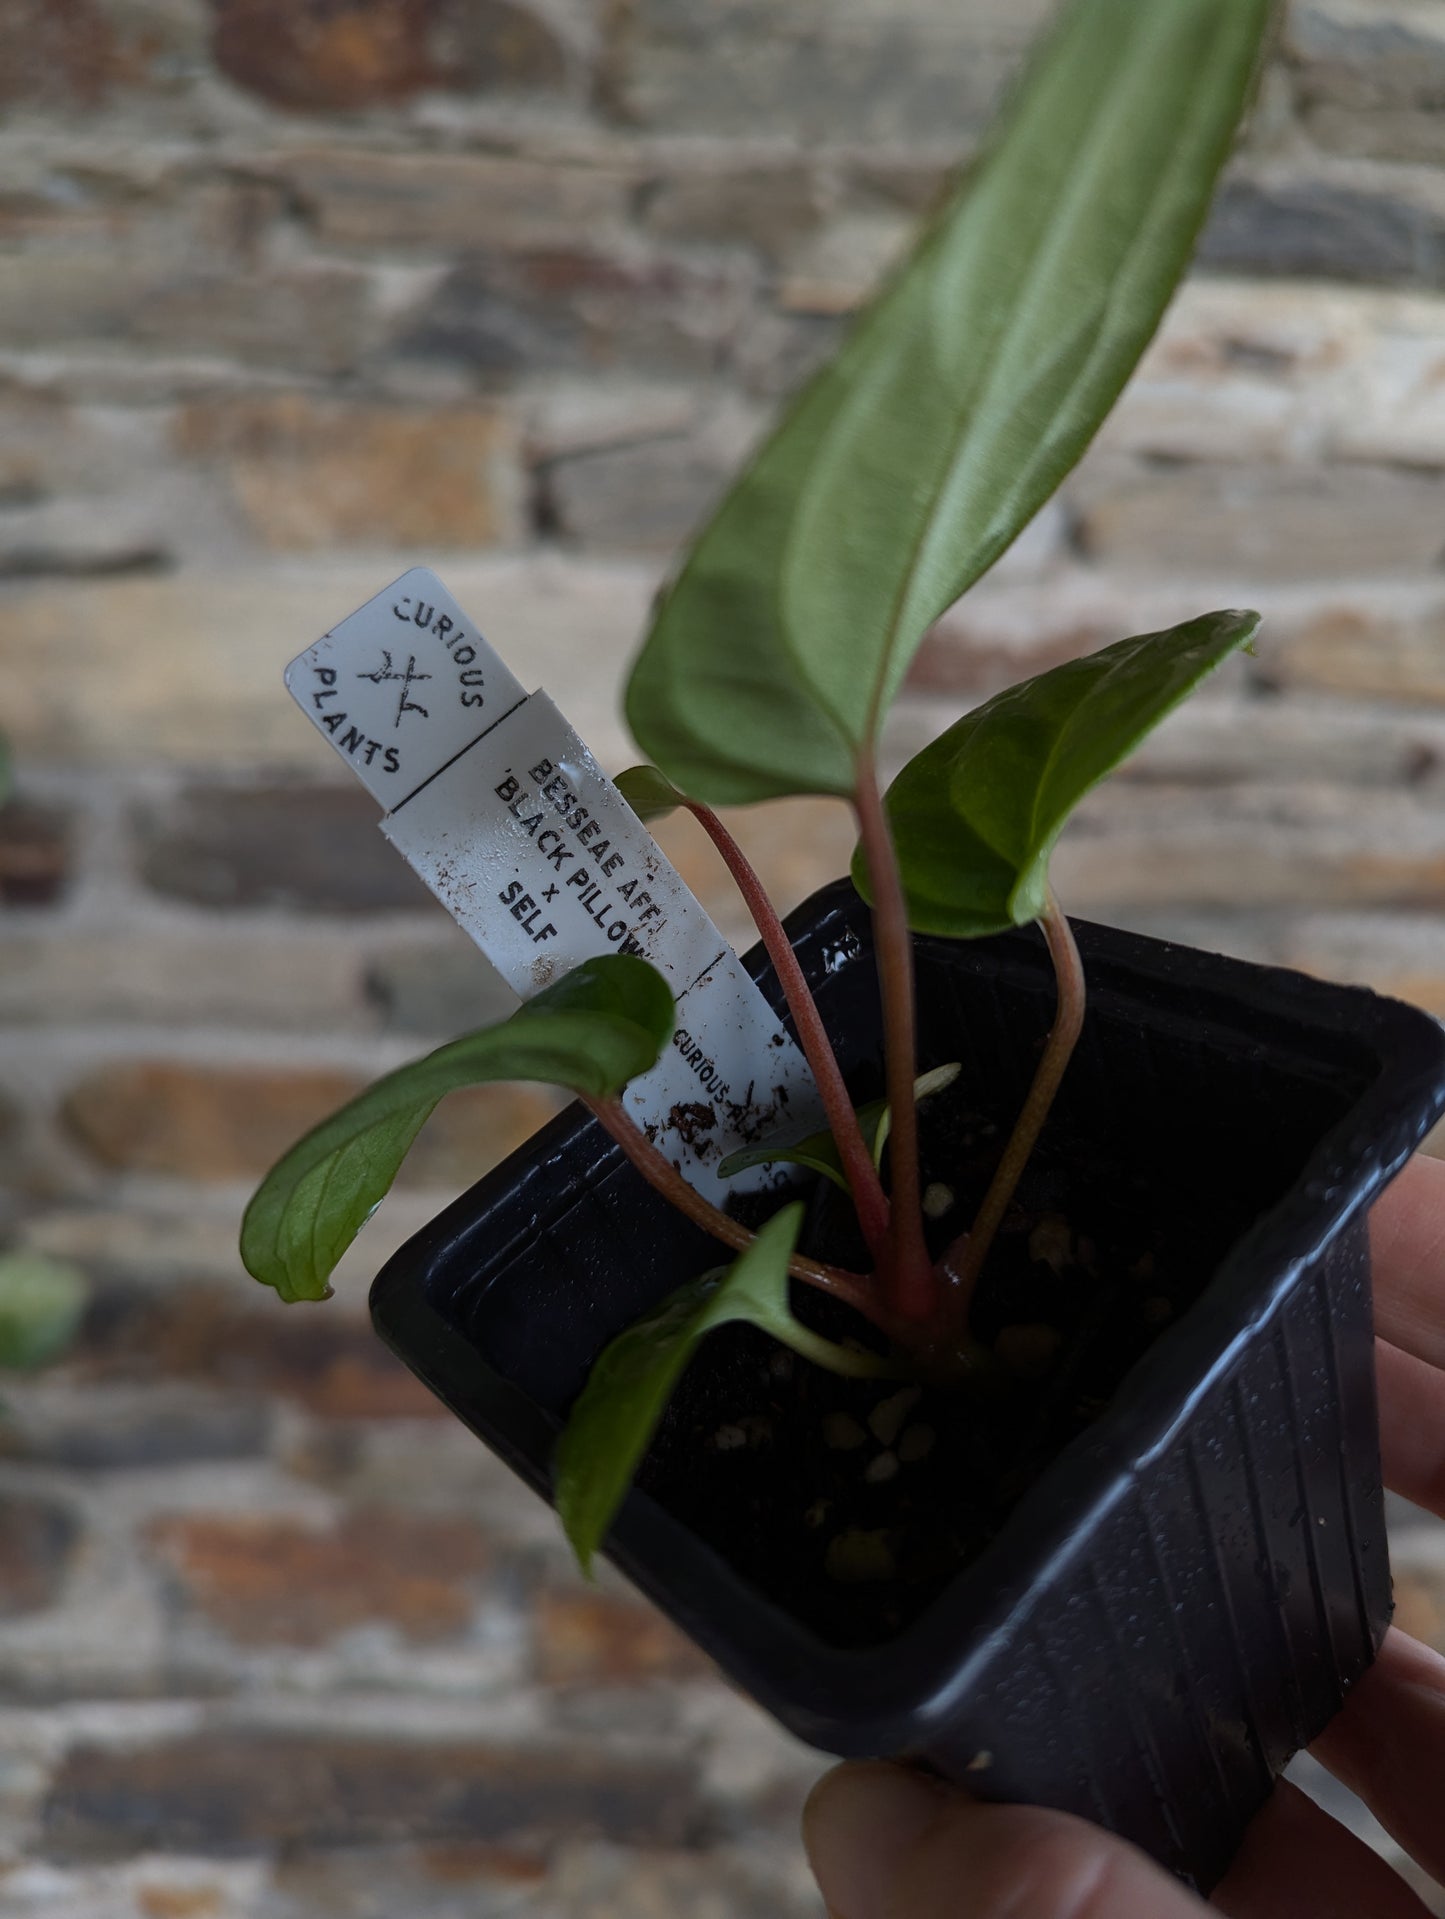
889 1844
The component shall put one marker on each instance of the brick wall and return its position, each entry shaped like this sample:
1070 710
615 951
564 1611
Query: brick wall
294 293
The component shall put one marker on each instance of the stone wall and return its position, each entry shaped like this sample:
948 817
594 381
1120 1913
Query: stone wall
293 294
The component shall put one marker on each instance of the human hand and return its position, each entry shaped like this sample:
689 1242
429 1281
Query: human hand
889 1844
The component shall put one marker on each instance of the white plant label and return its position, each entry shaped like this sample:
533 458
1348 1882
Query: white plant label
494 800
403 686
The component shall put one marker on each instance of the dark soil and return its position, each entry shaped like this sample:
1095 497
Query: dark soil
852 1503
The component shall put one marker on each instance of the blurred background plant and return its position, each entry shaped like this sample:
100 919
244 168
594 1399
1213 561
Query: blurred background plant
41 1304
294 295
42 1300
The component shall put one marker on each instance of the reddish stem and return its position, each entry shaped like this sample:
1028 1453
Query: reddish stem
909 1270
659 1172
963 1261
869 1198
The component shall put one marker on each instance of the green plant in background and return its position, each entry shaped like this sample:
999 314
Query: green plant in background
963 396
42 1301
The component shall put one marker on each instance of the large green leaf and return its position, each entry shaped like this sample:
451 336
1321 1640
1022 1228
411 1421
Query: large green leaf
628 1389
595 1029
975 815
961 399
41 1304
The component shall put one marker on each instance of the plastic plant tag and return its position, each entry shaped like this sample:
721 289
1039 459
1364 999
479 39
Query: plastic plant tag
497 803
403 686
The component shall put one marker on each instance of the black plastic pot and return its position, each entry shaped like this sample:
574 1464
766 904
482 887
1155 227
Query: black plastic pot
1184 1598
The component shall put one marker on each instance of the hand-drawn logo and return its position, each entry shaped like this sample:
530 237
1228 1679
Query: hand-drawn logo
407 678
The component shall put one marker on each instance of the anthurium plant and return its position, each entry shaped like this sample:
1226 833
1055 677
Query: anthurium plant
963 396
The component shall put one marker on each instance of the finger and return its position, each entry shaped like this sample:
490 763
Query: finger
1407 1244
1299 1863
1412 1427
1388 1746
888 1844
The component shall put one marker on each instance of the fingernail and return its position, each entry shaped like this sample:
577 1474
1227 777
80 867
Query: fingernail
859 1825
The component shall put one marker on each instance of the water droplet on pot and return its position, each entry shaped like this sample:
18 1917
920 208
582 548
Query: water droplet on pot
837 956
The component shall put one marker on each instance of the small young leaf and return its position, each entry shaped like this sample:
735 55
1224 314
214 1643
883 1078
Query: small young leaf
650 794
628 1389
816 1153
819 1151
933 1081
593 1030
41 1302
976 814
959 402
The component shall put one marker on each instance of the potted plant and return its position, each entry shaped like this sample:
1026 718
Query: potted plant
1029 1430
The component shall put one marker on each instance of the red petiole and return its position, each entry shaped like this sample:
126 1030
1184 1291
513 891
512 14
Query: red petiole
909 1273
869 1199
659 1172
962 1263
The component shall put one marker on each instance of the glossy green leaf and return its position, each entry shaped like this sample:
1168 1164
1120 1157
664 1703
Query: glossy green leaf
628 1389
976 814
593 1030
41 1304
961 399
819 1152
650 794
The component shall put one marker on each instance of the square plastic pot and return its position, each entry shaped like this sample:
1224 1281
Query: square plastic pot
1187 1594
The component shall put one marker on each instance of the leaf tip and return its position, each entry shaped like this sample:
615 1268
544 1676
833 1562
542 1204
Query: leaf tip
1249 622
578 1526
649 792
